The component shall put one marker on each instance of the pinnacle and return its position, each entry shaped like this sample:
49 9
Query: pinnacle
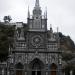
37 3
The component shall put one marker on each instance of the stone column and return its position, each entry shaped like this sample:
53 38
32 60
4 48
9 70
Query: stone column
60 61
60 69
25 73
64 72
71 72
46 73
2 71
36 72
8 73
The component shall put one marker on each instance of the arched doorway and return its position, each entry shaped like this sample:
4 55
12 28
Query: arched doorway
53 69
19 69
36 66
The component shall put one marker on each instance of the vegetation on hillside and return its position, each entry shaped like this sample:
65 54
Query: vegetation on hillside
67 46
66 42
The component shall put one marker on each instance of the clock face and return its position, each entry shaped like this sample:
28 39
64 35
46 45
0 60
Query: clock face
36 40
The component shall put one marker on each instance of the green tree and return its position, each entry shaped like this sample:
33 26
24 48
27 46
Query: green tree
6 39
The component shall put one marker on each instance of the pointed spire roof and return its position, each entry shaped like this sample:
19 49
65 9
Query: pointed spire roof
57 32
37 3
51 30
28 12
46 12
37 8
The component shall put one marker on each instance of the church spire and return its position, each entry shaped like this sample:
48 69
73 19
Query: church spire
51 30
28 12
37 9
46 12
37 3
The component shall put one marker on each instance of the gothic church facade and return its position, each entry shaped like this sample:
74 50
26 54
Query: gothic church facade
36 50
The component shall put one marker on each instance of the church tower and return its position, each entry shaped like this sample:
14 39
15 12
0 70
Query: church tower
37 22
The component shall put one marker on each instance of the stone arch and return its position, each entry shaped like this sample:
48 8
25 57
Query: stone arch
38 57
36 66
36 61
53 68
21 62
19 68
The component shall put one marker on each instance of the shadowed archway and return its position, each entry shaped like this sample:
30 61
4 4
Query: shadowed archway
36 66
19 69
53 69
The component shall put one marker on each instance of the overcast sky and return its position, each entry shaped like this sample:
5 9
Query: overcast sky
61 13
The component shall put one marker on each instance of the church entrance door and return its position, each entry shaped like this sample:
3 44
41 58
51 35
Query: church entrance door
36 72
36 66
19 72
19 69
53 69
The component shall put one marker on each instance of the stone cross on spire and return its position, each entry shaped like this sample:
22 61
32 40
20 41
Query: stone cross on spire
37 3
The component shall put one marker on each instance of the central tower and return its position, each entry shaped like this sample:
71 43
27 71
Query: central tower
37 22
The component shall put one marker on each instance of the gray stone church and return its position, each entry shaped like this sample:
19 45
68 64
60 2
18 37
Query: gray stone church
36 50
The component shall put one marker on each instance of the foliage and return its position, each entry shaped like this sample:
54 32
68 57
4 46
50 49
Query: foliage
68 48
66 42
67 56
6 38
7 18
